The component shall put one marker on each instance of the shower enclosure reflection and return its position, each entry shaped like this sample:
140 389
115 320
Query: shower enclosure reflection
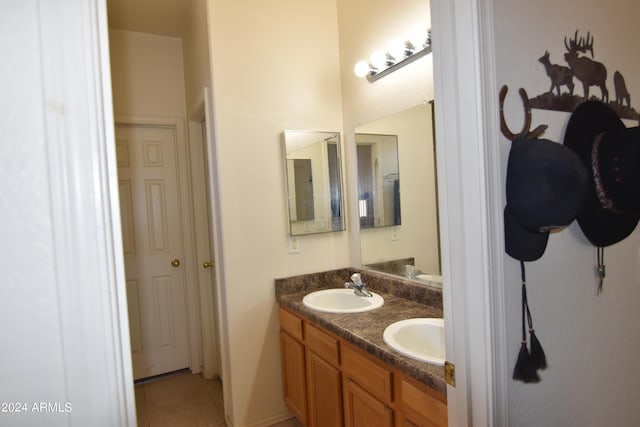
378 180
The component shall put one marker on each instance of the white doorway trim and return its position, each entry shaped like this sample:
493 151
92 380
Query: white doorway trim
469 189
217 239
71 76
186 206
203 220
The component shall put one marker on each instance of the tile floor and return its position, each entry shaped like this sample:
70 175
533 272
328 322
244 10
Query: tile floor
182 399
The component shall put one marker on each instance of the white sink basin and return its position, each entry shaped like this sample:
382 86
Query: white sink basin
420 339
341 301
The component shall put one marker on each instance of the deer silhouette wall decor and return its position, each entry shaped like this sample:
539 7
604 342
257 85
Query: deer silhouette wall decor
581 68
620 87
586 70
559 75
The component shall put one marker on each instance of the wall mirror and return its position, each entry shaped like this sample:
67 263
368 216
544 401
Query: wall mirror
313 181
378 180
412 247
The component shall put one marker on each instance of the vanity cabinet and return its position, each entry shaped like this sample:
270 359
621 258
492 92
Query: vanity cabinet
420 408
294 382
364 410
324 385
324 392
368 390
329 382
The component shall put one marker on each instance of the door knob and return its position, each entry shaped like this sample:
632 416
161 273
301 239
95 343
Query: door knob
175 263
207 264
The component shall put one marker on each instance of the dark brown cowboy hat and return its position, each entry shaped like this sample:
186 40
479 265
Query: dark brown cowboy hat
611 153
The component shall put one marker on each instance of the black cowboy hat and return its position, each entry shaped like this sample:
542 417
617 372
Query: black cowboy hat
546 188
611 154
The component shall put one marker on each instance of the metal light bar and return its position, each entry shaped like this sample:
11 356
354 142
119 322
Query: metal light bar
373 76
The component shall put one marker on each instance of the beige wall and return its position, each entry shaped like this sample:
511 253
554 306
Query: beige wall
591 342
147 75
196 55
275 67
366 26
287 72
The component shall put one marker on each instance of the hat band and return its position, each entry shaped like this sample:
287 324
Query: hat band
605 201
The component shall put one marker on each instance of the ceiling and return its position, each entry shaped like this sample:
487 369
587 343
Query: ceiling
162 17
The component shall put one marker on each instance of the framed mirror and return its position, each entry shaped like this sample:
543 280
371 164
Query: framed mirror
313 181
378 180
412 247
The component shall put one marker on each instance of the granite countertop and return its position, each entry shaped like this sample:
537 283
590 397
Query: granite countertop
365 329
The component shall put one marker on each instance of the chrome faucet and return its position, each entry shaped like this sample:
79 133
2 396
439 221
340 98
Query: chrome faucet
358 286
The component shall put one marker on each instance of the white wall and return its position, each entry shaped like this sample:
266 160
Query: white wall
274 67
30 310
591 342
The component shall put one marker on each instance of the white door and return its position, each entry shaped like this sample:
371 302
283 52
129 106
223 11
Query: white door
152 243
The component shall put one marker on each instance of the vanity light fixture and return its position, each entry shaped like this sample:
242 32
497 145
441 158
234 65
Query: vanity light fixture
398 55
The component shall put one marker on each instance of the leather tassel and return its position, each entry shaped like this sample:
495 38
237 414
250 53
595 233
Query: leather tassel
524 370
537 357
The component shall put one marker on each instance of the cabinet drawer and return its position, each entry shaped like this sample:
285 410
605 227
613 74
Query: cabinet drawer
370 375
323 344
291 323
429 410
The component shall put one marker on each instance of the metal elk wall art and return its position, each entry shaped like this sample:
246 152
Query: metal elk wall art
579 75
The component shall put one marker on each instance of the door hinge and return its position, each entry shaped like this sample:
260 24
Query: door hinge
450 373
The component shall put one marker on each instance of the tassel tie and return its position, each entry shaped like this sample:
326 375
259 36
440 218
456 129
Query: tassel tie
601 271
529 362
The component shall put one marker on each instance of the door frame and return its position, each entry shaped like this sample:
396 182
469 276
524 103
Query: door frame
470 191
217 239
204 217
463 45
187 230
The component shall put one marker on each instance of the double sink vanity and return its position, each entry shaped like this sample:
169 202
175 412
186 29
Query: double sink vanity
362 361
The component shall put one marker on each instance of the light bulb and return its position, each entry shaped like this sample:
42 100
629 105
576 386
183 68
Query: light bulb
378 59
397 49
418 38
361 69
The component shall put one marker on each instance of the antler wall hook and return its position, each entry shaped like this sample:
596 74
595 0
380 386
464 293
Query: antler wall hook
525 133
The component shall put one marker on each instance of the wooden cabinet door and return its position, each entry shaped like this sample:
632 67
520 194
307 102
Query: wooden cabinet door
420 407
363 410
325 393
294 376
